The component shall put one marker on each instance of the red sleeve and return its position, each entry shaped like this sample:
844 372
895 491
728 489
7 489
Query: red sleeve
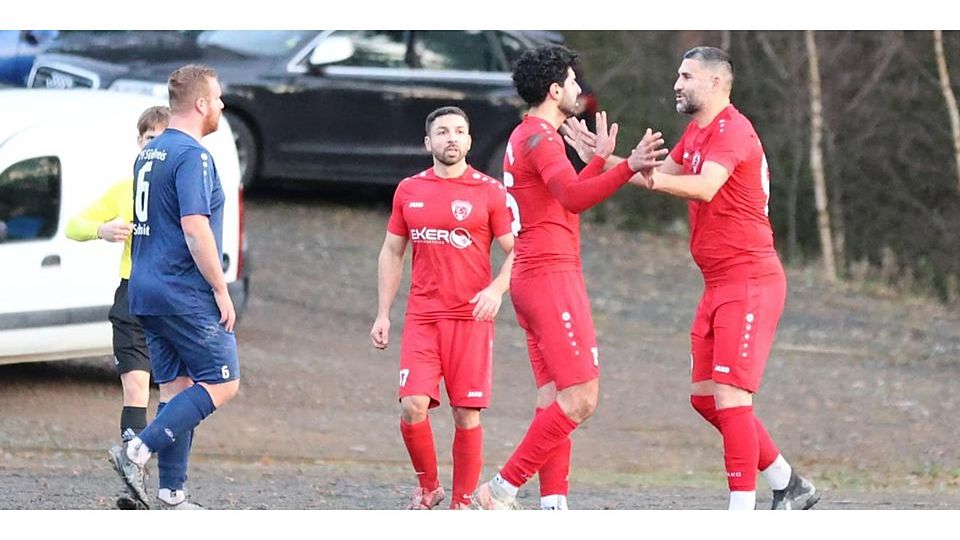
397 225
501 218
731 147
577 194
677 153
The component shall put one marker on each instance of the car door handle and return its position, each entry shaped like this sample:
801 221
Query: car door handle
50 260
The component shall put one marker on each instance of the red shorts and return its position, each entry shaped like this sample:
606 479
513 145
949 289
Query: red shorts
733 331
461 352
554 310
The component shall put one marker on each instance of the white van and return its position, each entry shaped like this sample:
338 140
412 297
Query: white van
59 152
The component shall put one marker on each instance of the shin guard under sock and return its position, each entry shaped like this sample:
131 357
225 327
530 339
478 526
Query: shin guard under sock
467 463
555 472
419 441
546 433
740 447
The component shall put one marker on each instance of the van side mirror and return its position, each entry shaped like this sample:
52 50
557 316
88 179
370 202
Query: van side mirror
331 50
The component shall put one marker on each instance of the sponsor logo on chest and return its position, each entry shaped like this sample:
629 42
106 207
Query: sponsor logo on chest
458 238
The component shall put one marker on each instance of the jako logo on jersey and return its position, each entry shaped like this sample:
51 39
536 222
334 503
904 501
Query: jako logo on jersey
458 238
474 393
416 204
721 369
461 209
695 162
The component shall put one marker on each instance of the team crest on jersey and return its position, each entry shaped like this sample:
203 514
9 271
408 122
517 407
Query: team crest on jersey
461 209
695 162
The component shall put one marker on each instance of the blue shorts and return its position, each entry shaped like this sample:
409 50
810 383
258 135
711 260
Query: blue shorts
191 345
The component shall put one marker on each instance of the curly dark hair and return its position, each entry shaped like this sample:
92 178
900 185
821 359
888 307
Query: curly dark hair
538 68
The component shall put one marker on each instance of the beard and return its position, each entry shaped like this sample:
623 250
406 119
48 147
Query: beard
689 105
448 159
211 122
568 109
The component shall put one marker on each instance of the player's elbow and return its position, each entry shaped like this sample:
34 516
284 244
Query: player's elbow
708 193
573 205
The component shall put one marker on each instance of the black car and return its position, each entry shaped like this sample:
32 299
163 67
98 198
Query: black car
344 105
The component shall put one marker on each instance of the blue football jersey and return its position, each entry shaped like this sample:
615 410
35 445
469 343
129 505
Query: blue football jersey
174 176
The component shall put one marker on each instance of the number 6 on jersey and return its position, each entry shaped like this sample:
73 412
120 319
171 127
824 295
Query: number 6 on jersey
142 197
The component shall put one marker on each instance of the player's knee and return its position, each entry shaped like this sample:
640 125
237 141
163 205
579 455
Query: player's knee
413 409
136 388
221 393
465 418
579 406
727 396
579 402
588 405
546 395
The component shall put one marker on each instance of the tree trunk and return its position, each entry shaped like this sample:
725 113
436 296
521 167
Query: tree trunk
816 161
948 97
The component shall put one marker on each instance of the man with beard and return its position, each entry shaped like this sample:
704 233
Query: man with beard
720 168
547 288
451 213
177 287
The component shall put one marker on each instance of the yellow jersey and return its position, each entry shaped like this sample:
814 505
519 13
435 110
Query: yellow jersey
116 203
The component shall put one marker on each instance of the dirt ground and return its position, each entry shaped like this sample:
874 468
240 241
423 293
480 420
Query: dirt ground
860 392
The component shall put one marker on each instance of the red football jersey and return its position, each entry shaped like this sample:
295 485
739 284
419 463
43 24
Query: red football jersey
451 223
732 231
546 195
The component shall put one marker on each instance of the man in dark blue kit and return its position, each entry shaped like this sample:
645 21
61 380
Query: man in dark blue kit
177 287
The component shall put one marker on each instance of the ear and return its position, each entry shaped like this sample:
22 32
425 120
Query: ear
555 90
426 144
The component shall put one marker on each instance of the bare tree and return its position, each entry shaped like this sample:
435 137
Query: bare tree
948 96
816 160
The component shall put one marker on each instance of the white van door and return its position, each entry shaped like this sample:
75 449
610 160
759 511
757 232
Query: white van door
46 307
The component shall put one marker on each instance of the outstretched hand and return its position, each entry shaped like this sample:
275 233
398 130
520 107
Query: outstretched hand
579 137
644 157
587 144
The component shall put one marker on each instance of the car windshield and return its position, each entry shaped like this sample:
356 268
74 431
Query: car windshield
255 42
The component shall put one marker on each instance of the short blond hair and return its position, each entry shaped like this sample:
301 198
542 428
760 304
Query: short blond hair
154 117
188 83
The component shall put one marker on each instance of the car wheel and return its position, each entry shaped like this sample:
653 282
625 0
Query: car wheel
247 152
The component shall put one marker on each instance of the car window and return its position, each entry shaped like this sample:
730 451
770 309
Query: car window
376 48
512 47
255 42
30 200
460 50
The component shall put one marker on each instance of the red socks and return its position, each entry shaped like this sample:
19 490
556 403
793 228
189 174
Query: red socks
768 449
741 447
467 463
554 474
547 432
419 440
706 406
